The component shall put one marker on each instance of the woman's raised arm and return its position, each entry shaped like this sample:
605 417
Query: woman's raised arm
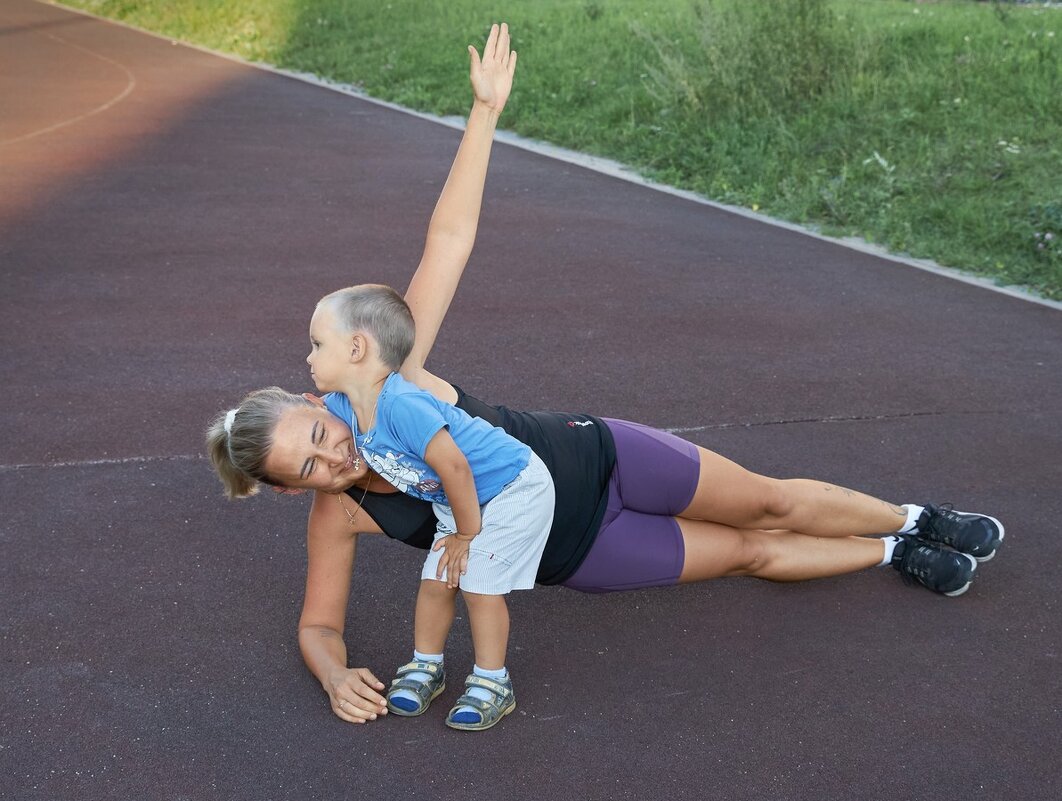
452 230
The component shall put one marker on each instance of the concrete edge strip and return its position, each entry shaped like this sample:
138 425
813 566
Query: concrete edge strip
600 165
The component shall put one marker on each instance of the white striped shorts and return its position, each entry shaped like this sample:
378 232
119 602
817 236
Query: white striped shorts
505 554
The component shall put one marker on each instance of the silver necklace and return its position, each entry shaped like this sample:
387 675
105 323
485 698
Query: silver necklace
368 483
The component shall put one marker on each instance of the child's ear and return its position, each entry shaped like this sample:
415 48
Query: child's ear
358 347
316 400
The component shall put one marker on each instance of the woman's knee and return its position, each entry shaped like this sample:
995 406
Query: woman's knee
774 503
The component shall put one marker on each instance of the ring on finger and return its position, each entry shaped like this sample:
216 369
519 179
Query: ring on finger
341 704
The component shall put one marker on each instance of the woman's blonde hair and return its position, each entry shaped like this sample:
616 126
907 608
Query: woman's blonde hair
239 453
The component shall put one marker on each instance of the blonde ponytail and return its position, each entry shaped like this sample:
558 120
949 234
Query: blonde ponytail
238 450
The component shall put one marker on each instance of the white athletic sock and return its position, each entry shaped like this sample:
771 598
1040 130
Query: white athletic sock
478 692
914 512
417 676
890 547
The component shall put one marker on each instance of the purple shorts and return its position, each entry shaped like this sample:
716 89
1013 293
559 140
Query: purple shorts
639 543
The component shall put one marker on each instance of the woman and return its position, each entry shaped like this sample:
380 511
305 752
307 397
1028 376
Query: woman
635 507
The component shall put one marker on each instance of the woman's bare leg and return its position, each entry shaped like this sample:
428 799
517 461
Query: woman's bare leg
714 550
728 493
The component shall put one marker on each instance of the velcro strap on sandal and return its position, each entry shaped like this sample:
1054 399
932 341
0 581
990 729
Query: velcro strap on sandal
500 690
483 707
433 669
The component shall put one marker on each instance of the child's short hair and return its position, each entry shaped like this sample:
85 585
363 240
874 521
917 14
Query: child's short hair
379 311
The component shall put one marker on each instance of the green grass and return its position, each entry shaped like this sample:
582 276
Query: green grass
933 129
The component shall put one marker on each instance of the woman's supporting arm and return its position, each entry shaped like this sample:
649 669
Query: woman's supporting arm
331 546
452 231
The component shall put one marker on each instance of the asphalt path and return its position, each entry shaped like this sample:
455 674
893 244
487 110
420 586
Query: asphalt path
168 219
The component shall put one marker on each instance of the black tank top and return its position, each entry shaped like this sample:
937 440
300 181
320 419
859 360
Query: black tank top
578 450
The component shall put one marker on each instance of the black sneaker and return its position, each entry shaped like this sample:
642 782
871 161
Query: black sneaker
946 572
977 535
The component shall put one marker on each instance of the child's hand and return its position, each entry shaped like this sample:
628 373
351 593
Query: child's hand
454 560
492 77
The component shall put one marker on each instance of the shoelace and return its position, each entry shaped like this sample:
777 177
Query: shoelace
942 522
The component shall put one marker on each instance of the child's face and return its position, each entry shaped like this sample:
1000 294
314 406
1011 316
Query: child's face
313 449
329 351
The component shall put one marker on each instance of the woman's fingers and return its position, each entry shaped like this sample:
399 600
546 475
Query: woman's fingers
490 49
357 699
503 44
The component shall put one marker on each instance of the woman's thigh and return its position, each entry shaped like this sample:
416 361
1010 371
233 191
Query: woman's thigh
661 474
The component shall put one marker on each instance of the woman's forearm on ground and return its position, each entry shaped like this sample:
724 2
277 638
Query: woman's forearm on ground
323 651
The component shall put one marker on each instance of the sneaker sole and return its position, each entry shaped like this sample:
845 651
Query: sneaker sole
966 586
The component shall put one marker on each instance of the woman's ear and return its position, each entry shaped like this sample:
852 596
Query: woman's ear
316 400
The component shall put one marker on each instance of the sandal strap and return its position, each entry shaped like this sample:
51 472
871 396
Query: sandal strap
422 689
433 669
490 685
485 708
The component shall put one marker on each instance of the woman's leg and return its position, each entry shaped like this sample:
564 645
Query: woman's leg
728 493
714 550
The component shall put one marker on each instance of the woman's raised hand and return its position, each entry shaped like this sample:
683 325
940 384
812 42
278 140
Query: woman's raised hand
492 75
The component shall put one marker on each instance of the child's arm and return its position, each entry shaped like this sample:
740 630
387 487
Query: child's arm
452 230
448 461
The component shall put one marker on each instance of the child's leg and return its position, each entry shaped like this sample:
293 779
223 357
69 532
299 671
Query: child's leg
489 692
422 680
488 616
434 616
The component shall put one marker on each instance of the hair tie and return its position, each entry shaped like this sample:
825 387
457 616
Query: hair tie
229 417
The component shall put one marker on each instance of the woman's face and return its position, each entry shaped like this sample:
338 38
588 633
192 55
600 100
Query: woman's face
313 449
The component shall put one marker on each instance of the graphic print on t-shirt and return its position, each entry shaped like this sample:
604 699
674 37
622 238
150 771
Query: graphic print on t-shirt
404 476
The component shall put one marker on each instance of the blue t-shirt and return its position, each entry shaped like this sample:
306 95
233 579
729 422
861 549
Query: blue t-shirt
407 418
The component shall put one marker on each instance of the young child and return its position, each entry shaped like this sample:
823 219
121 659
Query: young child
492 495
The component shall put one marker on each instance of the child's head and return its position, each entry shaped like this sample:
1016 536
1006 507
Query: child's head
240 439
369 310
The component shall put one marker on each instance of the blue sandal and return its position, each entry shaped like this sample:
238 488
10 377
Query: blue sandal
426 691
501 703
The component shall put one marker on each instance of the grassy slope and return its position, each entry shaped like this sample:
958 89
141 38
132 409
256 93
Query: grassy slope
781 106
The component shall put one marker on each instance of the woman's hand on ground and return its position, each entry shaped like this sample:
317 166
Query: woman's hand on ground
492 76
454 560
355 695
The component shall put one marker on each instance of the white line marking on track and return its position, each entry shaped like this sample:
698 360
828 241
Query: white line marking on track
183 457
118 98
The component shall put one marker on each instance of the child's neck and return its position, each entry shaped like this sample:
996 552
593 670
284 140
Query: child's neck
364 395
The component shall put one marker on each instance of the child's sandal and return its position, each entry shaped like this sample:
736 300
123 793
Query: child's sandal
426 691
501 703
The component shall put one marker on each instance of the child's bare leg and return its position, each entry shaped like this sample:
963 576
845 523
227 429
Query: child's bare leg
728 493
714 550
422 680
434 616
489 619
